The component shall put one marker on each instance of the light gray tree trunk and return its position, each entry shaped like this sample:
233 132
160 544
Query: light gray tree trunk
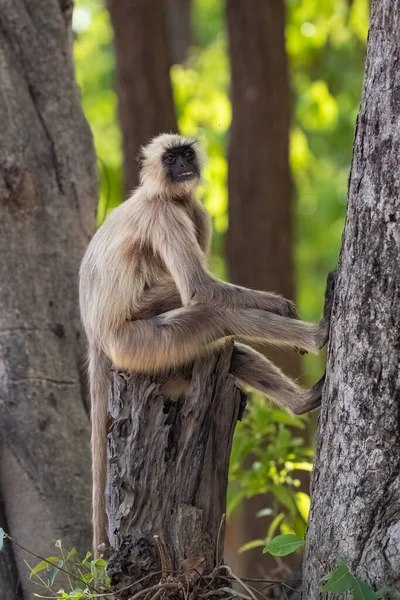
48 199
356 483
168 470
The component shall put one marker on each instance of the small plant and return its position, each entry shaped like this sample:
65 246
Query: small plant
86 578
341 580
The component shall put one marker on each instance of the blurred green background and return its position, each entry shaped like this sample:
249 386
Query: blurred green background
325 44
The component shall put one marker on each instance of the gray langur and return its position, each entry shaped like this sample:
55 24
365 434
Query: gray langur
149 305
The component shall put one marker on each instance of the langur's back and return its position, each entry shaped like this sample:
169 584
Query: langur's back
117 268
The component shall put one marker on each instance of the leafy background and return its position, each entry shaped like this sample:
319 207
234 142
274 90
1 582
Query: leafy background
326 47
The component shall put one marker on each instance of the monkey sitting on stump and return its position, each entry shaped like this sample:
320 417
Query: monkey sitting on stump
148 303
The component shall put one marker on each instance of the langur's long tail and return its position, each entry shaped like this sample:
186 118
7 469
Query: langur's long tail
99 378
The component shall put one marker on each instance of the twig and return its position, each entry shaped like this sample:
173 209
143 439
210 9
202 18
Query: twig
225 590
166 563
242 583
157 594
154 588
255 590
8 537
218 560
284 592
261 580
290 587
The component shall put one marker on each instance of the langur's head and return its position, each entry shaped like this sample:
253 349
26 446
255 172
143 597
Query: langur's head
171 163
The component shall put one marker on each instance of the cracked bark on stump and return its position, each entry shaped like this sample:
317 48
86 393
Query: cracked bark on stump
168 468
355 508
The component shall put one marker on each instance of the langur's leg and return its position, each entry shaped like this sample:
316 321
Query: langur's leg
179 336
328 303
255 370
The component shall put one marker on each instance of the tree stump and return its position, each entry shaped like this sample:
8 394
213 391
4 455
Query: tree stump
168 470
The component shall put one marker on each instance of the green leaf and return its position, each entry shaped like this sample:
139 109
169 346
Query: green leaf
340 580
70 554
274 525
284 496
383 591
99 563
1 538
44 564
76 593
251 545
53 572
265 512
303 504
362 590
282 545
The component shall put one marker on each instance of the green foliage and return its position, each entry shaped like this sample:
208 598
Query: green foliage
94 60
278 458
326 47
282 545
342 580
89 573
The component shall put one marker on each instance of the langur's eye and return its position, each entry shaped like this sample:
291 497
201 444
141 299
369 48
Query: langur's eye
169 159
189 154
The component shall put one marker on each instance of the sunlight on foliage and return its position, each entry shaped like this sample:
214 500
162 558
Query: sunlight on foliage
203 107
279 457
326 47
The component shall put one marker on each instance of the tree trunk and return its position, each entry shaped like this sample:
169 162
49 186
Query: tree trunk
179 30
168 470
145 100
259 241
355 510
47 209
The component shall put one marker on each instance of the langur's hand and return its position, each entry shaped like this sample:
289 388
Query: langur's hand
283 307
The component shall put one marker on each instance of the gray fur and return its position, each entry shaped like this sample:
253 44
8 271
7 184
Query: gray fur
148 303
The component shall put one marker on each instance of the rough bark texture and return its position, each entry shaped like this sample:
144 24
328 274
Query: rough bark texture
145 100
47 209
259 241
168 468
356 483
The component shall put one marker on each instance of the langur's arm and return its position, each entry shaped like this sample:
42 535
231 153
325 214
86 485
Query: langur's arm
174 240
235 296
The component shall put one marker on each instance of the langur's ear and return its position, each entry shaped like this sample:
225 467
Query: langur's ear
140 159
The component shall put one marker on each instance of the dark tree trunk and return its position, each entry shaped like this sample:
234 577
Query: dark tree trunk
355 510
145 100
259 241
168 470
260 209
179 30
48 199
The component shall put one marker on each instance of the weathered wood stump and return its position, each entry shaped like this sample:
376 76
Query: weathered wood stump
168 470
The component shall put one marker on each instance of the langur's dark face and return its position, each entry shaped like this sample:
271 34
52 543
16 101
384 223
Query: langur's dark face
180 164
